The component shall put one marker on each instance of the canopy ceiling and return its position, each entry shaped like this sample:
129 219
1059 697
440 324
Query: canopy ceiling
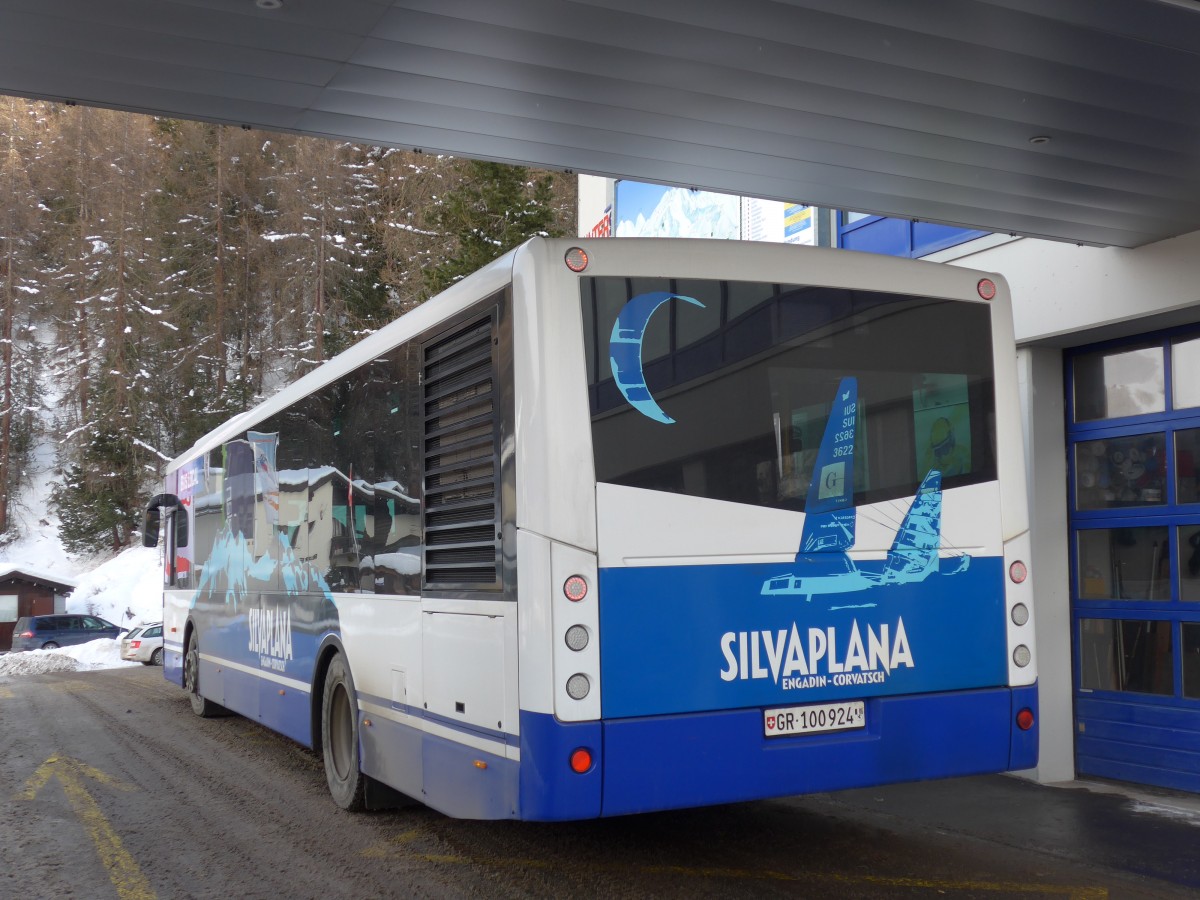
1070 119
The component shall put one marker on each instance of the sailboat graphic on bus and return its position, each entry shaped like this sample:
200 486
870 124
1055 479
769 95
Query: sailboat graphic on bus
822 564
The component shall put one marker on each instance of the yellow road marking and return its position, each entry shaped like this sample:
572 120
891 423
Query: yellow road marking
124 873
395 848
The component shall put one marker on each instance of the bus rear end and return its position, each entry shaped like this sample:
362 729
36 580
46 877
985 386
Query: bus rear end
802 564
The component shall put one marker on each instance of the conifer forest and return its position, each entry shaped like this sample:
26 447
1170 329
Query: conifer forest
159 276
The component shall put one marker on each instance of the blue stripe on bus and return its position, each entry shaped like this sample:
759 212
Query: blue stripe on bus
722 757
450 777
681 639
280 708
453 724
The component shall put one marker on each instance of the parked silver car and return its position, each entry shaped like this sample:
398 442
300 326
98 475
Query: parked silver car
144 644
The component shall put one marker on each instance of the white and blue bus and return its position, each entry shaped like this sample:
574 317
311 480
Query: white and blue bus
623 525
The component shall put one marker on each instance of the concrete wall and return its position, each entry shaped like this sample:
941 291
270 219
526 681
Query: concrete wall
1063 293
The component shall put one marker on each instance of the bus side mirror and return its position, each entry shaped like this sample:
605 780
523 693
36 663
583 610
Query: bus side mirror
150 522
152 517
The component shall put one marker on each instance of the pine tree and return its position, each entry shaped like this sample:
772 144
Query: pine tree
493 209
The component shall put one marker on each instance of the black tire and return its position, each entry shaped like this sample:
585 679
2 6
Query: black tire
156 658
202 707
50 645
339 738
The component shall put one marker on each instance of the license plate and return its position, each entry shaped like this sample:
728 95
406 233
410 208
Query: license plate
810 719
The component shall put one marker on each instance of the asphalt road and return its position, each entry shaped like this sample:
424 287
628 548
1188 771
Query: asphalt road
114 789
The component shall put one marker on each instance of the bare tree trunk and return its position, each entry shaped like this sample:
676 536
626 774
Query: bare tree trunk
6 325
121 295
81 299
320 298
219 267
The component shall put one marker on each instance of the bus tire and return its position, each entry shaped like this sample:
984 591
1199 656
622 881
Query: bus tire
201 706
339 737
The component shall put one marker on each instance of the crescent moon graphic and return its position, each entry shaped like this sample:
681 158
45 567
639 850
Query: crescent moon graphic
625 351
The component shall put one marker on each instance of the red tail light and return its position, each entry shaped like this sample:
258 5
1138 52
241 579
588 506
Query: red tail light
1025 719
135 644
25 634
581 760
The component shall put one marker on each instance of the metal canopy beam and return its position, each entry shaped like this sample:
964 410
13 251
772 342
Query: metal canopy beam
923 109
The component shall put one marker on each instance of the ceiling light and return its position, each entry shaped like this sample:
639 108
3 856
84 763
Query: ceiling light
268 4
1040 139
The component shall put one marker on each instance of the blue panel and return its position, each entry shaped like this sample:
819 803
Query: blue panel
890 237
280 708
692 760
1139 738
1107 768
286 710
173 666
550 791
457 786
1024 753
929 238
717 642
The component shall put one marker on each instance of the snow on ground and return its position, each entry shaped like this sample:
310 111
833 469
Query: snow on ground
104 653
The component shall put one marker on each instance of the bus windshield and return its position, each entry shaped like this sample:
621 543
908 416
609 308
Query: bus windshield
723 389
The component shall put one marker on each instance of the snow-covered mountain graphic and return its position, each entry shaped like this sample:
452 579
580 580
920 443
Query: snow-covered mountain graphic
682 212
227 572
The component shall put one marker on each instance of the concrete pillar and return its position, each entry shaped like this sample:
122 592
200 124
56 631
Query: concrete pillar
1040 375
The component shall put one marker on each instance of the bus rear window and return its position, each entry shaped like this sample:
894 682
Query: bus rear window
734 399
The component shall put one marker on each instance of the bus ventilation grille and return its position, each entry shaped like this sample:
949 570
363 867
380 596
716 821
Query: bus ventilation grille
462 469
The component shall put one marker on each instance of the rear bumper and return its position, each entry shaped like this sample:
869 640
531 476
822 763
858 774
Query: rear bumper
669 762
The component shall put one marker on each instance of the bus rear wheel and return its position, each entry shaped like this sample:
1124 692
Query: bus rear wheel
201 706
339 737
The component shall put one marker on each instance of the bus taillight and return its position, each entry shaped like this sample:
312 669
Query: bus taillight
575 588
576 259
581 760
1025 719
1018 572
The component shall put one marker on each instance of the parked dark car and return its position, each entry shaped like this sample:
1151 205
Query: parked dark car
48 632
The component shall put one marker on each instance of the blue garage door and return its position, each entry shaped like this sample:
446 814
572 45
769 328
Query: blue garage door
1133 445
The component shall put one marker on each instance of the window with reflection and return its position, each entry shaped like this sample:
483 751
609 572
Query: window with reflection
1119 472
1187 453
748 393
1185 373
1189 562
1124 563
1114 383
1126 655
1191 660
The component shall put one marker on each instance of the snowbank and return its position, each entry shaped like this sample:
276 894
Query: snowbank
126 590
104 653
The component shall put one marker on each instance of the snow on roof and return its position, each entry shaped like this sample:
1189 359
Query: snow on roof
9 570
